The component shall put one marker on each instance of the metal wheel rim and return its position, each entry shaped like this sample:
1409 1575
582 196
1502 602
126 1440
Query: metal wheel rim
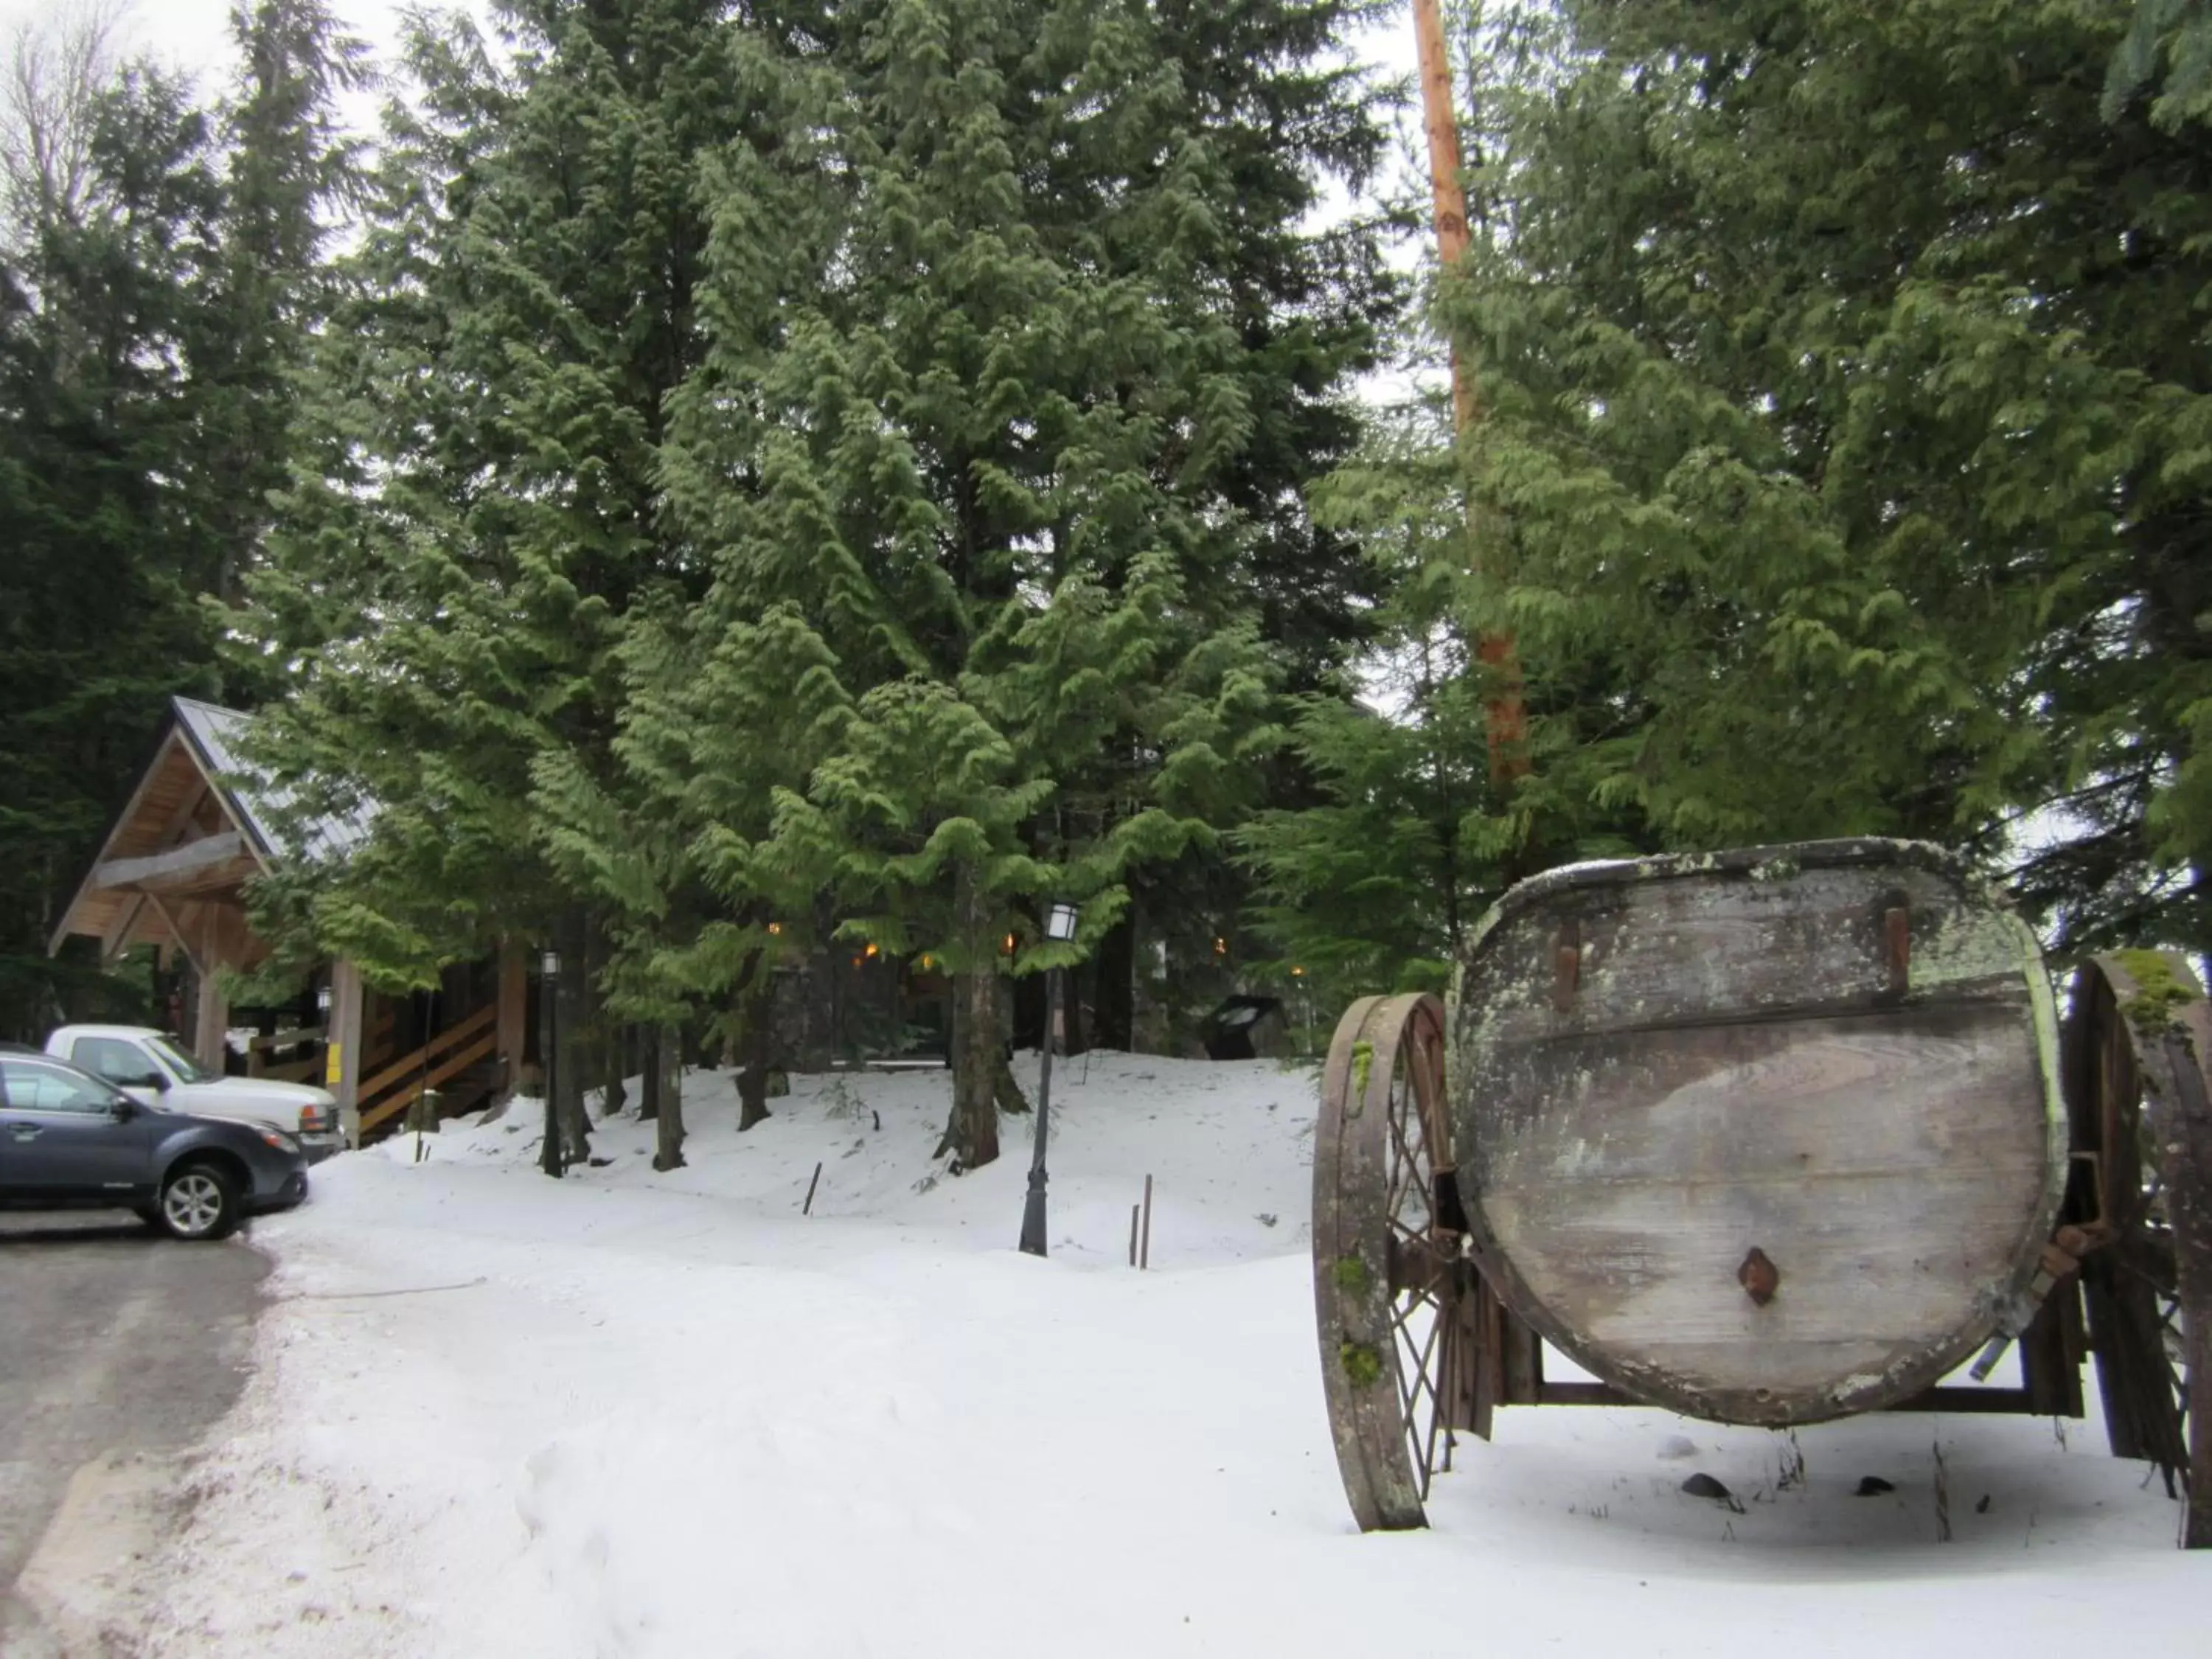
1393 1296
193 1203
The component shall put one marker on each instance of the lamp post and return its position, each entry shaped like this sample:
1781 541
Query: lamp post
1060 927
549 970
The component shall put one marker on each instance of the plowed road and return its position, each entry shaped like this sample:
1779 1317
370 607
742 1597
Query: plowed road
118 1350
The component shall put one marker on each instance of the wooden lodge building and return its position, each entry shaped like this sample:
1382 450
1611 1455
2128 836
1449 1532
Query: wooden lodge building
171 874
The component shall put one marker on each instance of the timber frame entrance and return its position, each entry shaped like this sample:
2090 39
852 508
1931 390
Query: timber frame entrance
172 873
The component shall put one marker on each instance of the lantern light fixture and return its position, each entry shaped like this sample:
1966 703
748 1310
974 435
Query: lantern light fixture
1059 920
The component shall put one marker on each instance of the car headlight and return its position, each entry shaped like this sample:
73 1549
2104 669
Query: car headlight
280 1140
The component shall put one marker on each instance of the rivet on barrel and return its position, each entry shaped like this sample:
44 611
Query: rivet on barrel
1897 944
1759 1276
1567 966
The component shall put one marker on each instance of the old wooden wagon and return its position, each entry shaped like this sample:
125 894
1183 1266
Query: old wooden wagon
1768 1137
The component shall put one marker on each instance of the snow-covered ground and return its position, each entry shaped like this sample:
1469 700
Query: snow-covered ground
634 1414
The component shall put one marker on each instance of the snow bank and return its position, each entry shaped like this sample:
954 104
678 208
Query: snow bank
668 1416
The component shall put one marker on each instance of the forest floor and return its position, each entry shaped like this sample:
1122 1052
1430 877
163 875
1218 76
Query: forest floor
635 1414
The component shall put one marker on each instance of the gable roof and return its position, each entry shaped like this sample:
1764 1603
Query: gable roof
258 801
166 841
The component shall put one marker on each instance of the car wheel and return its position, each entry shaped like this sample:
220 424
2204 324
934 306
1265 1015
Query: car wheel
198 1201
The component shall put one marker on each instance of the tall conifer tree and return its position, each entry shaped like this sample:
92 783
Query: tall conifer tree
453 580
1022 456
1844 398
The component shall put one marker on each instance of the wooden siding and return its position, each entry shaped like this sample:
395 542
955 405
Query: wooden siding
1843 1067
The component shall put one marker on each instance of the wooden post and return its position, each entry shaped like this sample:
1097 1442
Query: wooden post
211 1016
513 1018
1145 1241
341 1049
1506 715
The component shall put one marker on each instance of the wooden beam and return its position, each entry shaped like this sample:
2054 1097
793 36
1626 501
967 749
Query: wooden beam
211 1017
175 739
176 932
514 1010
117 939
174 867
342 1057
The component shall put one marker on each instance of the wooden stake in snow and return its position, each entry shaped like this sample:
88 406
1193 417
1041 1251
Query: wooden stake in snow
1144 1239
1133 1208
1507 717
807 1207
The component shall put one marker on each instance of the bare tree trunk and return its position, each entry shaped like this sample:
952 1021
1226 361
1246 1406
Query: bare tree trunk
619 1054
595 1034
570 1004
756 1043
664 1070
1005 1089
971 1135
57 69
649 1041
1115 1001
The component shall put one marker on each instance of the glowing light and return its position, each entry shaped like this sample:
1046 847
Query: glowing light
871 950
775 927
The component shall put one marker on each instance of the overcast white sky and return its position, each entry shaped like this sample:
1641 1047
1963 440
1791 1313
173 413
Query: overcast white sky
194 34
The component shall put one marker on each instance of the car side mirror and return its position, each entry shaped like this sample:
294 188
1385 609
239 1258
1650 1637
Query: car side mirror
126 1109
154 1080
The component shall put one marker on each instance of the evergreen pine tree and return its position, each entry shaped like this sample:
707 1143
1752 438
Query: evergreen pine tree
105 302
1842 395
1017 457
451 589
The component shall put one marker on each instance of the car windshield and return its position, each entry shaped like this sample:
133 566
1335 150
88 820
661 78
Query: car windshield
187 1068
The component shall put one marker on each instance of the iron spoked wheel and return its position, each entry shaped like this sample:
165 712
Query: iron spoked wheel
2138 1034
1399 1307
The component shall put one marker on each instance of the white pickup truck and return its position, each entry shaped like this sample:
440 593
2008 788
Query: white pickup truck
154 1070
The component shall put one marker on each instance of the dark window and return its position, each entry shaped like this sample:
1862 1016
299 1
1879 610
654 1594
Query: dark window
111 1058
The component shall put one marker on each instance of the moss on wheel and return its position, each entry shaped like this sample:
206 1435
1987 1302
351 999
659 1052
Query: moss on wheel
1363 1366
2160 991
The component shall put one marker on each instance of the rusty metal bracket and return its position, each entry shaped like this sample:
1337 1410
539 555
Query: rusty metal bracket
1567 966
2062 1258
1897 945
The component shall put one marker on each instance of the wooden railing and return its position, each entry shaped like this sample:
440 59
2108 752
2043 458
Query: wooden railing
307 1069
399 1084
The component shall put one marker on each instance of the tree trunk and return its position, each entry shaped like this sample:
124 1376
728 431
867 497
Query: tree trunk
756 1044
1006 1089
664 1083
650 1041
1114 1000
618 1048
569 1006
1027 1031
971 1135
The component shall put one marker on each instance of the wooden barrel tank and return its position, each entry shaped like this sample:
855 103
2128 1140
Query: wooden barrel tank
1768 1137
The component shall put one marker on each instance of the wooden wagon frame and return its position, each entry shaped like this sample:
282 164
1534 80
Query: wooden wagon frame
1428 1322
